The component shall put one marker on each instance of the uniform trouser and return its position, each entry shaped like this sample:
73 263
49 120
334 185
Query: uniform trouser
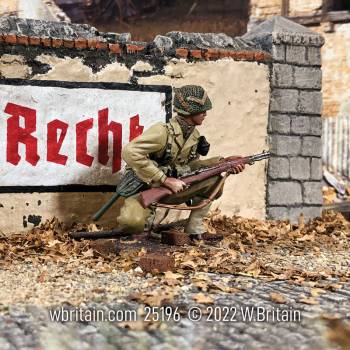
133 216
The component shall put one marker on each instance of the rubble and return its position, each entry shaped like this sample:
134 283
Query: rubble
105 246
157 262
175 237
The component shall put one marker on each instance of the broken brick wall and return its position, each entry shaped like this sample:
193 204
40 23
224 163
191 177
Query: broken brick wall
234 72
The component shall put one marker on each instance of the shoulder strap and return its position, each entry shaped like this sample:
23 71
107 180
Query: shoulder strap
166 156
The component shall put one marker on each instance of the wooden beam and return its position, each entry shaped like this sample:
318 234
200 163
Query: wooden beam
326 6
285 8
307 20
332 16
338 16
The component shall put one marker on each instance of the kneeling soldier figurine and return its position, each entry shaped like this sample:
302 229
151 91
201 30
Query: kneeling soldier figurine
168 150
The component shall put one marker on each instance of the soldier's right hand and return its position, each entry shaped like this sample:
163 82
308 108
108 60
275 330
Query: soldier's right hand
175 185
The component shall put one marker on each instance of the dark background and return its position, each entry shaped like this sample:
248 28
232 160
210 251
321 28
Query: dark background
144 19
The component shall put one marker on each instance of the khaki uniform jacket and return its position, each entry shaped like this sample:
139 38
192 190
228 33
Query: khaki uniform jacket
145 154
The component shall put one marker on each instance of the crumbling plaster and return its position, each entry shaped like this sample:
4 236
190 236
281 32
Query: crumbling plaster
13 66
73 69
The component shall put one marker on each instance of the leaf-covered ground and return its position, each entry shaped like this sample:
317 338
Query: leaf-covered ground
46 267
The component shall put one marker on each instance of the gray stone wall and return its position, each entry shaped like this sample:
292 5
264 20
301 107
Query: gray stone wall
295 124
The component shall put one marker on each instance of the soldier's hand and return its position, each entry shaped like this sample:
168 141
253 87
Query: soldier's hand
237 169
175 185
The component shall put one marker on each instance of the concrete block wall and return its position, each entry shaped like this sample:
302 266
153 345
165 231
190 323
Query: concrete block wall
295 124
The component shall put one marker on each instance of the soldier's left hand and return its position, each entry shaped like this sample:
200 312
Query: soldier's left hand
237 169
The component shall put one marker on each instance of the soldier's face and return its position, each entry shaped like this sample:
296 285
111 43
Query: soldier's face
197 119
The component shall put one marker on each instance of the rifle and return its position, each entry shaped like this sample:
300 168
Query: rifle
154 195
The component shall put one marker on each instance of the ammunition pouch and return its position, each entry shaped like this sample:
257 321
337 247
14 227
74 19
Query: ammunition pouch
176 171
203 146
130 184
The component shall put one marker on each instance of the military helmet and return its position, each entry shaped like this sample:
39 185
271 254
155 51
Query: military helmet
191 99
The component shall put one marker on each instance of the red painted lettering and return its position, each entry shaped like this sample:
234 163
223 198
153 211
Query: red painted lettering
135 128
16 134
82 129
54 146
103 130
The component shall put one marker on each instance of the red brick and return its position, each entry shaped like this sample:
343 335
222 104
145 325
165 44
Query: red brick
132 48
23 40
157 263
224 53
47 42
250 55
196 53
34 41
212 54
182 52
92 43
10 38
2 38
173 237
101 45
69 44
261 56
242 55
104 246
115 48
233 54
239 55
57 42
81 43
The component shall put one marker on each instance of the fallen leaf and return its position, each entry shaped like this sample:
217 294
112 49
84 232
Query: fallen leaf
315 292
310 301
277 298
203 299
42 277
88 254
339 333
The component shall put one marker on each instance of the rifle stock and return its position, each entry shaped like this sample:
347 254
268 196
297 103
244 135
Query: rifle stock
154 195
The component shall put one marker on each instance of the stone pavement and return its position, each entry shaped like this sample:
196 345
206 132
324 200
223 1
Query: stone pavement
32 329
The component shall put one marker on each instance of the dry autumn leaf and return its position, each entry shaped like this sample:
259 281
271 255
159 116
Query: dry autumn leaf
339 333
315 292
277 298
172 275
189 264
203 299
309 301
42 277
